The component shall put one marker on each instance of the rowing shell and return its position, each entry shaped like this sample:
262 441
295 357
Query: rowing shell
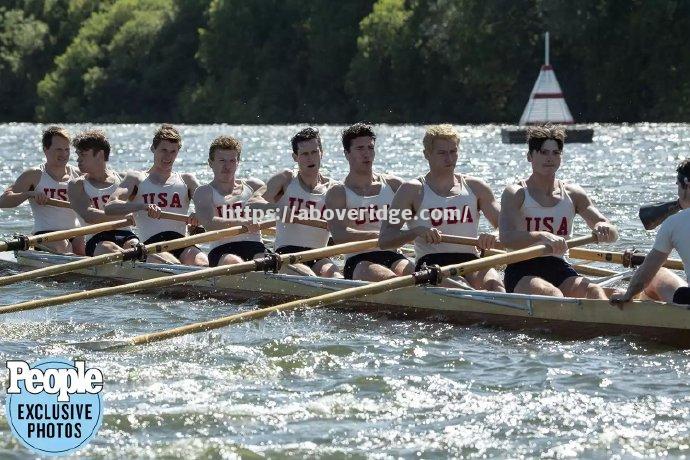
566 317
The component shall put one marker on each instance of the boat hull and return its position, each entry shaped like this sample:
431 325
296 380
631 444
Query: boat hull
566 317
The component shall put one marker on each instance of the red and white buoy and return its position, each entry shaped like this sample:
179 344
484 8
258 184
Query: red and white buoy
547 104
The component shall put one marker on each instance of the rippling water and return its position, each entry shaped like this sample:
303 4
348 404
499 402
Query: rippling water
331 384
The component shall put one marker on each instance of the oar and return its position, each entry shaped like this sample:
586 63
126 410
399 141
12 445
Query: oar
270 262
24 242
468 241
652 215
136 253
627 258
430 275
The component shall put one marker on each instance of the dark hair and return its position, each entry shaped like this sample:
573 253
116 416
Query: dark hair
355 131
224 143
92 140
47 138
537 135
683 171
166 132
303 135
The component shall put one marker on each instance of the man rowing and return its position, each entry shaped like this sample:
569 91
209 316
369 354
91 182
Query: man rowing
301 193
48 181
89 193
358 205
657 282
223 203
146 194
541 210
443 202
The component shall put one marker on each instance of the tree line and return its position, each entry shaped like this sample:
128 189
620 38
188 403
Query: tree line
325 61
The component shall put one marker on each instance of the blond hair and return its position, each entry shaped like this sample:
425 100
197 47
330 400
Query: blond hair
434 132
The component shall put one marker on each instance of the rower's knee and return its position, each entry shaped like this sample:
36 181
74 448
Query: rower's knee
663 285
194 256
230 259
536 286
105 247
327 269
593 291
494 285
78 246
403 267
368 271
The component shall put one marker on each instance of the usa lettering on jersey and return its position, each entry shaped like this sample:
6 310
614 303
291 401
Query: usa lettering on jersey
230 211
295 205
58 194
103 199
545 224
161 200
450 215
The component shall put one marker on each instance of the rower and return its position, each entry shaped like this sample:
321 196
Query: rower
540 210
357 206
48 181
302 192
657 282
443 202
89 193
160 189
221 204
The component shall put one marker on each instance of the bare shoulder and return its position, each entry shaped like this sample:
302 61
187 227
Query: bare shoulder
255 183
514 193
574 189
336 194
477 184
189 178
202 193
413 186
394 181
134 177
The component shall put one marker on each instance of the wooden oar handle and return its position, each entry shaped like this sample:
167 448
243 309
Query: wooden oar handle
627 258
58 203
173 216
467 241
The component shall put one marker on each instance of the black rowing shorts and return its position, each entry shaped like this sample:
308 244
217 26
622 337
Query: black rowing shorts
245 250
168 236
445 258
385 258
119 237
549 268
682 296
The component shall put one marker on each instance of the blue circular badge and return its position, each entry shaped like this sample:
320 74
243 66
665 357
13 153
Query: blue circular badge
54 406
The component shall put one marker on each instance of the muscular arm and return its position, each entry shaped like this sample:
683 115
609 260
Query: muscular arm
275 187
191 183
341 229
586 209
486 199
82 204
119 202
645 272
22 189
392 236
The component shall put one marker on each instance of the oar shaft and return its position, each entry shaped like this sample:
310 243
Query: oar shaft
467 241
632 259
351 293
33 240
103 259
224 270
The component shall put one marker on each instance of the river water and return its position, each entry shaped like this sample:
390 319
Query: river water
330 384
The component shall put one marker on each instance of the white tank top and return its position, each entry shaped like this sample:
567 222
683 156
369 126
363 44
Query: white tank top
99 197
297 200
368 207
456 215
226 206
52 217
171 197
556 219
